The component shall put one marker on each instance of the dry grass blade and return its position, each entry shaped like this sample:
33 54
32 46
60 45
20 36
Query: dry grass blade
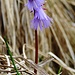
58 39
44 62
38 68
26 68
8 63
61 62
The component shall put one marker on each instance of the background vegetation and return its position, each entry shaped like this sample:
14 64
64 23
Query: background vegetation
56 44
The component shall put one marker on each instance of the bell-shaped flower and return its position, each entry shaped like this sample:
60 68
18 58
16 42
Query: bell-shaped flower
40 19
33 4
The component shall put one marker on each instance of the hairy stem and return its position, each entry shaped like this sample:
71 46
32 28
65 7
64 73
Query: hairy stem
36 49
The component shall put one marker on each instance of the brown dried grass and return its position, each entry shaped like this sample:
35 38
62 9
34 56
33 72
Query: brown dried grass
58 39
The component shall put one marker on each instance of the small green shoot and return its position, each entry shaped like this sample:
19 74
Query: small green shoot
59 71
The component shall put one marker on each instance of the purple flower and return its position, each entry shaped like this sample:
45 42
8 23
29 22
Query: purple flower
33 4
40 19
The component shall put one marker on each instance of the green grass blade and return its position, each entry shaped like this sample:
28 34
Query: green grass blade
10 54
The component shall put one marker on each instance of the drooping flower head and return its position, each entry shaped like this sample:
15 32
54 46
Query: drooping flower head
40 19
33 4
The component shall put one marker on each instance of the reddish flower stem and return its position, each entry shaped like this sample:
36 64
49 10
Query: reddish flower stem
36 49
